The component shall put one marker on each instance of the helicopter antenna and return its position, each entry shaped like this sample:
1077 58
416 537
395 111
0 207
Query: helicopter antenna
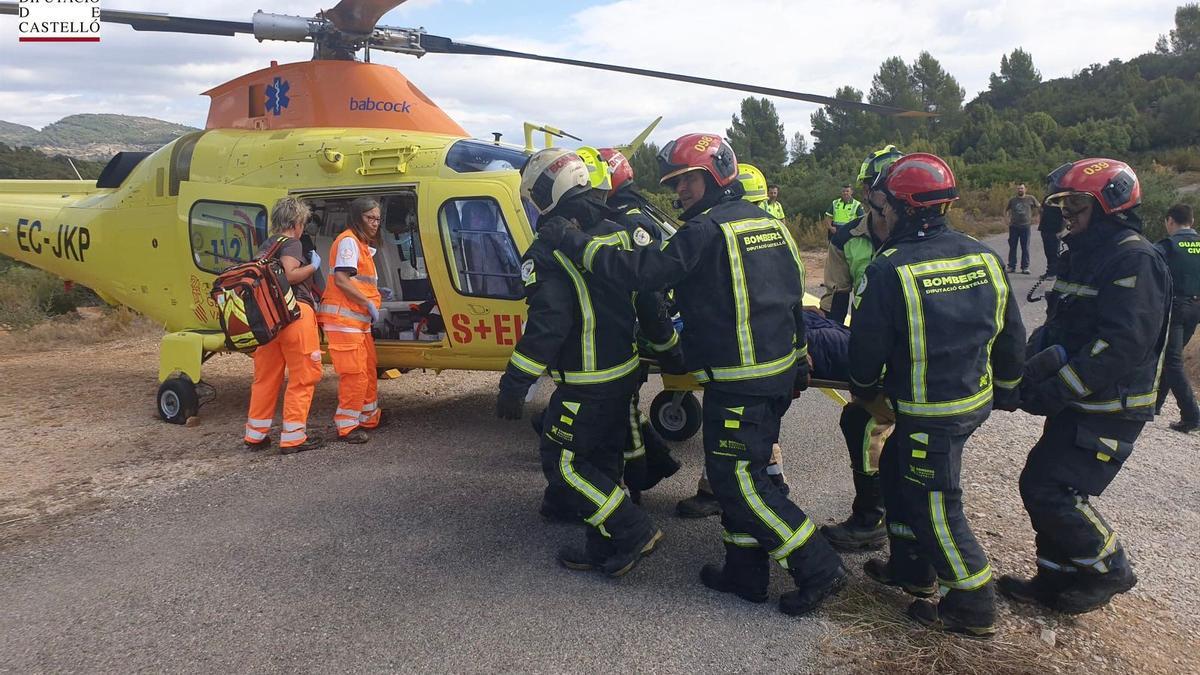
77 174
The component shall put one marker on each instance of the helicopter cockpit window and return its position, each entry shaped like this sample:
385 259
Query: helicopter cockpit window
474 156
225 234
483 258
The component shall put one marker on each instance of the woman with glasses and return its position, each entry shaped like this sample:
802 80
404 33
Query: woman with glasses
348 310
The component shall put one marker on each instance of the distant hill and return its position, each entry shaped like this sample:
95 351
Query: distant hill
25 163
94 137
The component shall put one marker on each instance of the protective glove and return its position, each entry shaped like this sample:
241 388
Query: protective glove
1006 399
510 404
1045 364
1042 398
386 293
374 312
671 361
802 378
636 473
314 259
552 230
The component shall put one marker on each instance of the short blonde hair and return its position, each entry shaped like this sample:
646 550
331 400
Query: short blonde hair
287 212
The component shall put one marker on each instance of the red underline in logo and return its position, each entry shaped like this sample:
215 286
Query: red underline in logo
58 39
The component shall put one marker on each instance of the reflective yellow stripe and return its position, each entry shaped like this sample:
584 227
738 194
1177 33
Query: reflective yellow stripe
664 346
1135 401
1081 290
866 445
739 539
736 373
941 528
587 337
1007 384
614 500
618 239
1127 282
792 539
1098 346
567 468
1068 375
741 296
901 531
916 330
526 364
596 376
340 310
637 447
733 424
945 408
977 580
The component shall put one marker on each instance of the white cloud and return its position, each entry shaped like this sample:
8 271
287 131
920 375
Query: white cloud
807 46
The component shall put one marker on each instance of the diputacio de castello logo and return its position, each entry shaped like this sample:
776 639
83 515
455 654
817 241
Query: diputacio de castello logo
58 20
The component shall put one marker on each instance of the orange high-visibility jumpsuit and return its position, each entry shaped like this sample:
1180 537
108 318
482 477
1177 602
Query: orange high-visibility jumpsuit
297 349
347 326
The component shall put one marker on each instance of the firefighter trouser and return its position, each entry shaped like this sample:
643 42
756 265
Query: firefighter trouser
355 362
1076 458
864 439
582 458
919 471
297 349
739 431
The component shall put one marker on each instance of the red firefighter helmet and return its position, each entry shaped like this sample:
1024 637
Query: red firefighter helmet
1110 182
920 180
619 168
696 152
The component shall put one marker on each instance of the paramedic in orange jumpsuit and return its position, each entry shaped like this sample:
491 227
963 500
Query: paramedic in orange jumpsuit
297 348
348 309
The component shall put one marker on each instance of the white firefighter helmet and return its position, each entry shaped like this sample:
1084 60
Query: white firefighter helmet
552 175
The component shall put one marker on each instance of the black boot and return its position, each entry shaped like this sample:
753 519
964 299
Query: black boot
746 573
1042 589
1093 591
880 570
818 573
590 556
864 529
626 556
701 505
809 597
969 613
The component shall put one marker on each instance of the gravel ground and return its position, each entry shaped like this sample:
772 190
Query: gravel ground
126 544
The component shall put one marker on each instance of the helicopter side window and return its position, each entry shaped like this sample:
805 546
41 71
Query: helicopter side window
470 156
224 234
479 249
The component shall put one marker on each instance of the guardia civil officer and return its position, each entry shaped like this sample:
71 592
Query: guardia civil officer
1104 339
1181 248
581 330
738 284
936 329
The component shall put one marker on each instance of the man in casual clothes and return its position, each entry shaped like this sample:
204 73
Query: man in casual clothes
1181 248
1020 212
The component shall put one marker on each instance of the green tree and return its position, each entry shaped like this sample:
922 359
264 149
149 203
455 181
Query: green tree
798 148
895 85
833 127
757 135
1017 78
938 92
1185 37
645 167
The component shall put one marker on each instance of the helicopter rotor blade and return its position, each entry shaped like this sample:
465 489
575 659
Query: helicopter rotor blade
442 45
358 17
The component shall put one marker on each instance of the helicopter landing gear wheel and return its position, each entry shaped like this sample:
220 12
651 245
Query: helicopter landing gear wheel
177 400
676 415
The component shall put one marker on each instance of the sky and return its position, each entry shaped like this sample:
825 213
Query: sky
814 47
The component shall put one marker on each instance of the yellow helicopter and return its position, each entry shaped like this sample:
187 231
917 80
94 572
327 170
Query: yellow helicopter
153 231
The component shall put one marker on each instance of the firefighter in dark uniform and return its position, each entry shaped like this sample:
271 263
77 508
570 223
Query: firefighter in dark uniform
1095 382
937 329
581 330
738 284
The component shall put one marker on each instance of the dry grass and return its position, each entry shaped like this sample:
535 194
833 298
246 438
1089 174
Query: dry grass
874 635
74 330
